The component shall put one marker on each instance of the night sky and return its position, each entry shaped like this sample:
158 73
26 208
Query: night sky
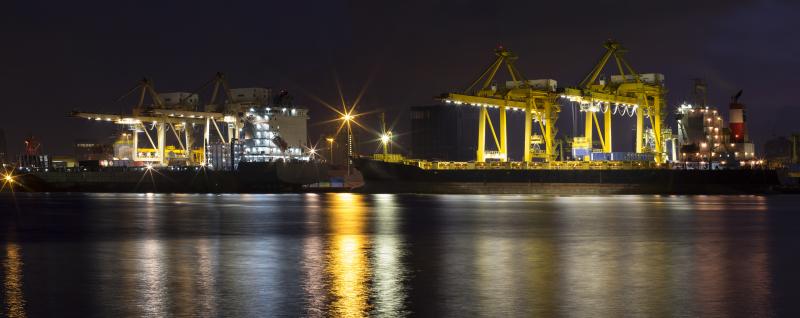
62 55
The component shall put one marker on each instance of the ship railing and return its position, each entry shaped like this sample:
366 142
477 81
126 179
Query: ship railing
390 157
536 165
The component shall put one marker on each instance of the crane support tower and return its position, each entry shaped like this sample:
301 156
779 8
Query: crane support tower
625 94
537 98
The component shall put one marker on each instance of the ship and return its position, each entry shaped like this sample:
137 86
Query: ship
253 141
250 177
416 176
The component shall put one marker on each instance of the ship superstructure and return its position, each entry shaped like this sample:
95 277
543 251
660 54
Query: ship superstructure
264 141
706 141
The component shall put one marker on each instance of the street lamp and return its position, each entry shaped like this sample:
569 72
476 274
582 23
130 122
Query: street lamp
386 136
330 146
386 139
347 119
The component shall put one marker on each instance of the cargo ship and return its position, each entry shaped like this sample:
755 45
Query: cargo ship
252 142
417 176
248 178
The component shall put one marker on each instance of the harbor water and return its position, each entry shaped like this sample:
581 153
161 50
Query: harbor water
353 255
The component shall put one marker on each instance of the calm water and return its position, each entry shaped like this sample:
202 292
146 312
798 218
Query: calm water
112 255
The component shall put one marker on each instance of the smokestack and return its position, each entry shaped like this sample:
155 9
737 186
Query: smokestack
737 120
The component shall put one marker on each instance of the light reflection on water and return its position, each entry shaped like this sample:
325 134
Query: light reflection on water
354 255
12 285
349 266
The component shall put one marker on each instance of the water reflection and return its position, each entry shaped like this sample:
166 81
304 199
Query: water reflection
389 270
731 252
314 284
353 255
14 296
349 266
152 284
206 282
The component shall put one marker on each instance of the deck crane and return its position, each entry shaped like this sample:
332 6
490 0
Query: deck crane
537 98
627 93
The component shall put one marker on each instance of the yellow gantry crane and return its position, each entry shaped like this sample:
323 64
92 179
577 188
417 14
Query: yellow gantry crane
628 93
180 119
537 98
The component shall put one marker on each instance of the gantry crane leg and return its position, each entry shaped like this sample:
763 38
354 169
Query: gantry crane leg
528 126
503 135
607 130
548 130
187 132
135 155
639 130
206 139
162 140
481 151
655 116
588 132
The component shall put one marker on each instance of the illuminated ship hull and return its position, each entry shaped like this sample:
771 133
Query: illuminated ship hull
386 177
250 178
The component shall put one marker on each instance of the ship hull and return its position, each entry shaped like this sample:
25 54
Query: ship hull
384 177
251 178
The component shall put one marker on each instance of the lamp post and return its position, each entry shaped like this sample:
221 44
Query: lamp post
386 136
385 143
330 146
347 118
390 141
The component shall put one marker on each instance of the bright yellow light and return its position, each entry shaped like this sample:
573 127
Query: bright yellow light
347 117
329 139
9 178
148 167
385 138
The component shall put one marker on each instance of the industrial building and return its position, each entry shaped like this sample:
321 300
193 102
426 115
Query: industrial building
438 132
782 151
